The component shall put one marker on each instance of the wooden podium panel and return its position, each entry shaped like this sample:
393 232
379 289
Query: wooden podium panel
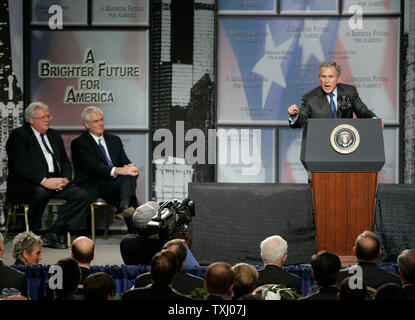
344 205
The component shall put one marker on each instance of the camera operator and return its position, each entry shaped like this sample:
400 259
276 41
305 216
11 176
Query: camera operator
140 247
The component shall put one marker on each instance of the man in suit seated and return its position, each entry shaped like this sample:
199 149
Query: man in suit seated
163 270
183 282
274 254
102 167
406 263
331 99
325 267
39 169
14 281
367 251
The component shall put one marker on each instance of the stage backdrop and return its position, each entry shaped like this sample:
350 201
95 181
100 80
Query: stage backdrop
232 219
268 55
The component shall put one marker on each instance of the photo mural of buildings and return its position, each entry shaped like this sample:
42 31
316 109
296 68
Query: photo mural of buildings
182 90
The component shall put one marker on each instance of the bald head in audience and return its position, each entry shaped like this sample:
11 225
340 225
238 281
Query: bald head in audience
367 247
83 251
219 280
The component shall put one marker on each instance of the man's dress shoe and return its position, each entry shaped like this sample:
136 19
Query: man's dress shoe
51 240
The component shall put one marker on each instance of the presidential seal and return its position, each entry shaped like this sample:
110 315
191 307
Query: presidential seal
345 139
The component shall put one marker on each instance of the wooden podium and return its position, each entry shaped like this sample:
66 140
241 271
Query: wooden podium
344 157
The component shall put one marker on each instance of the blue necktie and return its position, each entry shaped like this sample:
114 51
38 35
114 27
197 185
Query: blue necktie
333 106
105 154
55 162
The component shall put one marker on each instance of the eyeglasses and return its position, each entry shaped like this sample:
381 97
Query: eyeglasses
98 120
49 117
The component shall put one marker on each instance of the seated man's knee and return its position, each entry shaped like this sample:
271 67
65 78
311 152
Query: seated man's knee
40 193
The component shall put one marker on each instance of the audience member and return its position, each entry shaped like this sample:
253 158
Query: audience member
406 263
325 267
367 251
27 248
83 251
390 291
163 270
219 281
246 277
183 282
274 255
102 167
346 292
70 279
139 248
40 170
99 286
11 279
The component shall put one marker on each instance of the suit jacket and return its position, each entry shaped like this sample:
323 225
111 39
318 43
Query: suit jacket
325 293
12 278
373 276
184 282
316 105
27 163
155 292
410 291
90 164
272 274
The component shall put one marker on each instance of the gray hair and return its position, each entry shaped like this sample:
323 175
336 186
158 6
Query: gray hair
1 238
30 111
329 64
25 241
88 111
406 263
273 248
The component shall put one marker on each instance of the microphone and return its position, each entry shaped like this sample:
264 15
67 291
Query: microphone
344 103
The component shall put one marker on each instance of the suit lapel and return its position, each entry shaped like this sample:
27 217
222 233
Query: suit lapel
34 142
95 146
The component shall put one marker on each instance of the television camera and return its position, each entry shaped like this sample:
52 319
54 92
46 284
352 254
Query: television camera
172 220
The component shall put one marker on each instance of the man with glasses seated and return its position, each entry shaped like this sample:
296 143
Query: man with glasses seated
39 169
102 167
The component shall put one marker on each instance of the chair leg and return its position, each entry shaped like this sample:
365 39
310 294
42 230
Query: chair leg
50 217
92 223
68 238
9 216
26 217
108 219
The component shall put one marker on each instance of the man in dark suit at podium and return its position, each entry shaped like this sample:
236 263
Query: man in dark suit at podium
102 167
331 99
39 169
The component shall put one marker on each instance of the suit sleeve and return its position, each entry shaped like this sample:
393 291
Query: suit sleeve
359 108
303 114
85 159
21 157
121 157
